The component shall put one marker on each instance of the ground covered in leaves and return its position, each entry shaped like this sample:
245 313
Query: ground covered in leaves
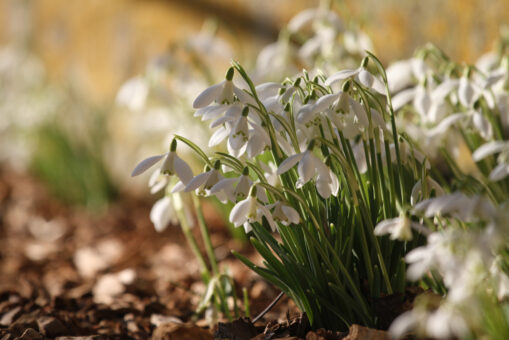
67 273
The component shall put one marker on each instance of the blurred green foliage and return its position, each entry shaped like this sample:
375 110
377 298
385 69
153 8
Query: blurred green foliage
73 170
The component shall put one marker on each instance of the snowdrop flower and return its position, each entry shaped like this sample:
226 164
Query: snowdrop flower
222 93
417 192
172 165
400 228
163 213
436 251
361 75
502 169
258 141
308 166
312 15
157 181
203 182
443 323
468 91
446 322
357 42
270 173
284 213
457 205
249 211
402 74
500 278
235 188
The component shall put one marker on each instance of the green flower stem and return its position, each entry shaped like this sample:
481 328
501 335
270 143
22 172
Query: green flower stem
206 235
374 241
247 310
393 124
186 229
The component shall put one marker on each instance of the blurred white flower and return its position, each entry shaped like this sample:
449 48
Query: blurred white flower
361 75
133 94
400 228
163 214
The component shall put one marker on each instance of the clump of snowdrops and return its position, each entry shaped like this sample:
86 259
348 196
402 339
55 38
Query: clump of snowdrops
459 115
353 185
314 164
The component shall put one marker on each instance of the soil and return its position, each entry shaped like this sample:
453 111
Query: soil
68 273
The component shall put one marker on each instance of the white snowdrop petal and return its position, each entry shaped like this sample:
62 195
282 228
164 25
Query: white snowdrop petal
325 102
399 75
146 164
466 92
243 96
239 212
489 149
289 163
341 75
386 226
208 95
183 170
305 114
306 167
178 187
197 181
402 98
218 136
291 213
404 324
445 124
301 19
359 112
483 125
223 184
323 187
160 214
444 89
499 172
265 212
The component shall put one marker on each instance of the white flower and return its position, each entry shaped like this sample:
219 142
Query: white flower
313 15
446 322
457 205
172 165
361 75
157 181
401 74
467 92
270 173
233 188
222 93
284 213
163 213
431 184
249 211
203 182
310 166
133 94
400 228
502 169
424 258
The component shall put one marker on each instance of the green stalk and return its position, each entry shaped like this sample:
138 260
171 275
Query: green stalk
206 235
186 229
